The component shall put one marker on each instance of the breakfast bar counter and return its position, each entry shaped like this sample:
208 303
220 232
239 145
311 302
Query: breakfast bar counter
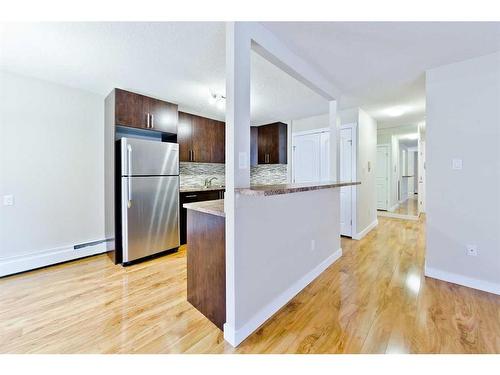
266 190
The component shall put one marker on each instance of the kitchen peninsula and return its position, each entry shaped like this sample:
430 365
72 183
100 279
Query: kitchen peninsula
206 266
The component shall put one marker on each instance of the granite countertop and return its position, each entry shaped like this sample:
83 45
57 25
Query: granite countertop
215 207
192 189
265 190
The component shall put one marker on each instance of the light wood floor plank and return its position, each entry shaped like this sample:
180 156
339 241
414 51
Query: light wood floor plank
375 299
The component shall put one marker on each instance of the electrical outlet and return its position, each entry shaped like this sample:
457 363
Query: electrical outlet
472 250
8 200
313 245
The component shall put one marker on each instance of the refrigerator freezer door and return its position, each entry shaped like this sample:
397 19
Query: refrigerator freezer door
150 215
149 158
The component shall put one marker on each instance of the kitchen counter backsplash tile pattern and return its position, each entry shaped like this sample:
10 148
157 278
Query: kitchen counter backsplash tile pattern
194 174
268 174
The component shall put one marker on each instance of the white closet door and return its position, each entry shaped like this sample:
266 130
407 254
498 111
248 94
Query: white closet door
306 158
346 174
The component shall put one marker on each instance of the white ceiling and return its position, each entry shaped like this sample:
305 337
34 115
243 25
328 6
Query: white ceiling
178 62
376 65
379 65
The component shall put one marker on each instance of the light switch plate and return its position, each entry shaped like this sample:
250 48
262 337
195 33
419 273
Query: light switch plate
242 160
8 200
456 164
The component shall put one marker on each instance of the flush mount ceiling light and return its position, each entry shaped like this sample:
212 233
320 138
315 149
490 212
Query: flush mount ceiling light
395 111
217 99
411 137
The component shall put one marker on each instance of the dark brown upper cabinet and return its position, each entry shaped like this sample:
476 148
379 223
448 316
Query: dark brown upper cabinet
254 145
272 143
201 139
139 111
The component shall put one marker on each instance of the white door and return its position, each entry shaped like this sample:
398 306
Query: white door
382 179
346 174
306 158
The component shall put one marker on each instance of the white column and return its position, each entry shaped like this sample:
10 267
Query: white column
334 141
238 45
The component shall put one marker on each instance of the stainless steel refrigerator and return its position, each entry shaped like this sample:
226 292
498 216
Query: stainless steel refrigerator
149 197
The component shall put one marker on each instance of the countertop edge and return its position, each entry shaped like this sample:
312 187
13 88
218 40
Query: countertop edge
290 189
213 207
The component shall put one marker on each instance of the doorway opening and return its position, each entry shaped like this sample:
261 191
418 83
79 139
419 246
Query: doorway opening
401 172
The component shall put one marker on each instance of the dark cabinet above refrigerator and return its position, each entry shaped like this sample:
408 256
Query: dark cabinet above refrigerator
143 112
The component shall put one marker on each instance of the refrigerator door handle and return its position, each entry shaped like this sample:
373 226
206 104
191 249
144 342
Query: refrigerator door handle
129 178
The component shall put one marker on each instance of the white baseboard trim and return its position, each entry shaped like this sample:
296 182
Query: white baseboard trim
469 282
393 207
235 337
12 265
365 231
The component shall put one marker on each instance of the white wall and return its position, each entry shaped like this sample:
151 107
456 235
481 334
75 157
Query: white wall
275 258
51 160
463 206
367 155
310 123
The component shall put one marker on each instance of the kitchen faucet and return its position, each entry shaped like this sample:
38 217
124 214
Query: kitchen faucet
208 181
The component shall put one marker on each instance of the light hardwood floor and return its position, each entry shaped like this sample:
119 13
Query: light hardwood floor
408 207
375 299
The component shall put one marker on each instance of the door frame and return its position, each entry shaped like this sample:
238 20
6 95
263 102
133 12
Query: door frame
389 174
354 165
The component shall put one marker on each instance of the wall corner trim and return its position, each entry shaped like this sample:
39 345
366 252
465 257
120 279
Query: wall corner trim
236 336
469 282
365 231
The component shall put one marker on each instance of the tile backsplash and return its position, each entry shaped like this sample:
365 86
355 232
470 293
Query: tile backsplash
268 174
194 174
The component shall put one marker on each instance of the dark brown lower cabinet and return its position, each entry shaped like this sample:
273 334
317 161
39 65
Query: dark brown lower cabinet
206 265
194 196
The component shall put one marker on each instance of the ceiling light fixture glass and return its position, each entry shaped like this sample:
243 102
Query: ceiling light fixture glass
395 111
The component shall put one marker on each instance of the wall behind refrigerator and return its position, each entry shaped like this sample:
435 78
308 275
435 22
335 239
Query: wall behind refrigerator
51 160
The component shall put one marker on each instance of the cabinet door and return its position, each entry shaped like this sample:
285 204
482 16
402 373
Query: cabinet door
264 135
130 109
218 145
163 115
201 139
282 147
254 145
184 136
272 144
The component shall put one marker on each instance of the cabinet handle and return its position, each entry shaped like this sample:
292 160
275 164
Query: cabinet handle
193 155
147 120
190 155
152 121
191 196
